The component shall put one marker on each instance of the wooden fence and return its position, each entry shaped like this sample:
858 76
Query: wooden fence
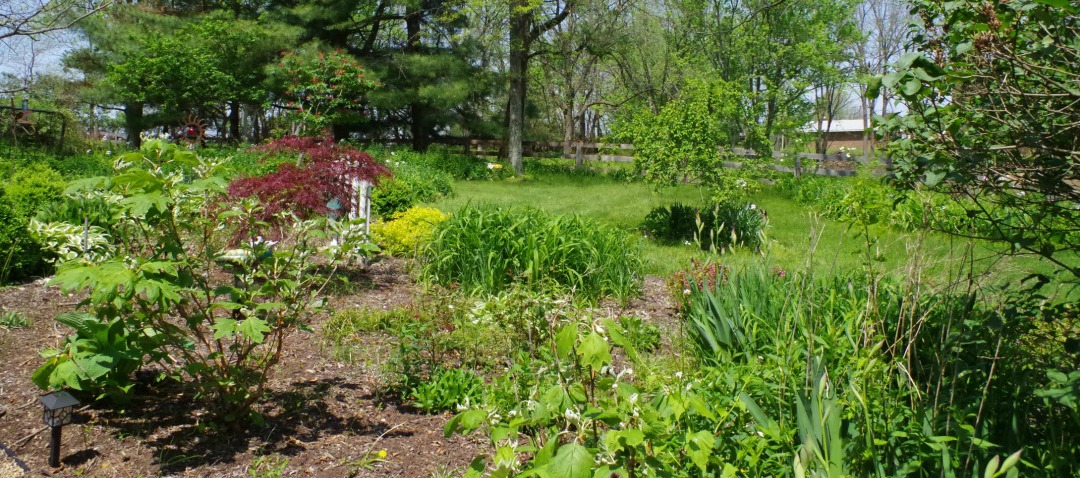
823 164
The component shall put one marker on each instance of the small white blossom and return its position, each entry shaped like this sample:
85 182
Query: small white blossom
678 374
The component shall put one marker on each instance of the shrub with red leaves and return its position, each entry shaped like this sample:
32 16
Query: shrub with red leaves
325 172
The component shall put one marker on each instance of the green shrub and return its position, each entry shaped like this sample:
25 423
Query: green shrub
488 249
221 334
410 185
407 231
717 228
20 256
676 223
96 161
32 187
76 209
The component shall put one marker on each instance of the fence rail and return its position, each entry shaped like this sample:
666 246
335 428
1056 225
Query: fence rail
838 164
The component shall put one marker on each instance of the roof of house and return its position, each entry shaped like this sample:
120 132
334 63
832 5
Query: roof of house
837 126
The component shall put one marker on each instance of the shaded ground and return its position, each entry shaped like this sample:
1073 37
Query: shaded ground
326 417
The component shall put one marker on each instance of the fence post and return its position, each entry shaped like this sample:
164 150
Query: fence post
579 156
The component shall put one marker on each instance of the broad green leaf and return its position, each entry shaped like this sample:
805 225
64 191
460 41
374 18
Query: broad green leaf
564 340
699 446
572 461
595 351
254 328
223 328
912 86
465 422
476 468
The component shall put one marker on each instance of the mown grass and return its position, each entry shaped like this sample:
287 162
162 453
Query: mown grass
796 236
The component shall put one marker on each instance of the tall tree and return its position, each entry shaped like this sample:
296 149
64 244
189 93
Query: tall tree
528 22
884 24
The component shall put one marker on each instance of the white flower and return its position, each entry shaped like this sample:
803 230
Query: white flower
451 306
633 398
491 165
571 415
686 291
108 152
753 206
678 374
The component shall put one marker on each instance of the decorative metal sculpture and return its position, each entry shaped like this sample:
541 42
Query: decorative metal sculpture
193 131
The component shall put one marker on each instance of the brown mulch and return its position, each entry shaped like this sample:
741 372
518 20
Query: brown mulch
328 418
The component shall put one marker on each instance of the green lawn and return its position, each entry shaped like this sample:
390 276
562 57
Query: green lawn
795 236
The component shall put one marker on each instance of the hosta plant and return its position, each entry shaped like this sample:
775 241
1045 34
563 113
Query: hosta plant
184 295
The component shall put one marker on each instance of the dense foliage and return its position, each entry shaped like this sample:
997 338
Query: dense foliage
320 181
487 249
327 88
408 232
191 287
715 228
991 91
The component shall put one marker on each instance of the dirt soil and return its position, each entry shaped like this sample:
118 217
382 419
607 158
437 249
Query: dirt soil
326 417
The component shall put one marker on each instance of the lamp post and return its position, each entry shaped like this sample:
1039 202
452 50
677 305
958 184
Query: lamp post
58 408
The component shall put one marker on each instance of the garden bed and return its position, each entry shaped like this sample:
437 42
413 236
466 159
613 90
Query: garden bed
326 417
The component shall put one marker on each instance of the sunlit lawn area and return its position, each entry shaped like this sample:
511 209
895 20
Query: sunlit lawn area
795 234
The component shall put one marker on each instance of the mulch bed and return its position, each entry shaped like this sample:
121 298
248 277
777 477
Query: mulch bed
327 418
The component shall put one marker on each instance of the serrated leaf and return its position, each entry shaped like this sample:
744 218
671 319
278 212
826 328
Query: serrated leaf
572 461
254 329
223 328
594 351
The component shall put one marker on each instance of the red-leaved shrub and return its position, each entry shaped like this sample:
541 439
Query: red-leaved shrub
324 170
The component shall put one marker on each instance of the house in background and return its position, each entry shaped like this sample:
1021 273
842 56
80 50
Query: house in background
849 134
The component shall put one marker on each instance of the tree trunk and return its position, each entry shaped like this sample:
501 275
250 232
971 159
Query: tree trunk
515 105
234 121
133 114
568 130
417 109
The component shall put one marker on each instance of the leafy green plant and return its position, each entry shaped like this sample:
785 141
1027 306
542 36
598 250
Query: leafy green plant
676 223
642 335
446 389
99 358
268 466
216 313
407 232
12 319
32 187
411 184
20 256
66 242
486 249
326 87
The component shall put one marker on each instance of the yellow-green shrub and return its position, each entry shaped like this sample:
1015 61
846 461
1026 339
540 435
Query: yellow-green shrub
407 230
